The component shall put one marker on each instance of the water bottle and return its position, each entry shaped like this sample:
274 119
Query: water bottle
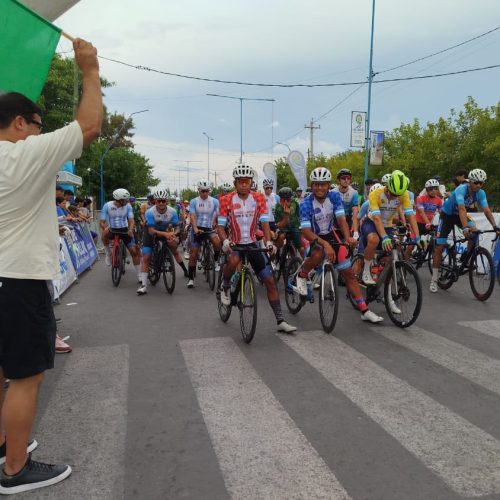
234 281
375 270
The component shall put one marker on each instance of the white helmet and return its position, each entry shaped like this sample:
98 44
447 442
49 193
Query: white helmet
121 194
203 184
432 183
226 186
243 171
477 175
161 194
375 186
320 174
385 178
267 183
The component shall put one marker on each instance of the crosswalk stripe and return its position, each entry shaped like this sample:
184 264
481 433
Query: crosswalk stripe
261 452
471 364
463 455
89 402
489 327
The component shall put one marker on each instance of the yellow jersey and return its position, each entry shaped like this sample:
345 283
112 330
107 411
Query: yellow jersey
380 204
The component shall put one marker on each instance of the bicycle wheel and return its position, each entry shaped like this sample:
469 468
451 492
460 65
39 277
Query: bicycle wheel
248 306
328 299
290 254
116 272
210 263
294 301
123 256
357 265
224 311
403 306
446 269
276 265
168 271
154 265
430 255
481 274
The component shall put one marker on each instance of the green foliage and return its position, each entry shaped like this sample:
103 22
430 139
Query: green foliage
284 175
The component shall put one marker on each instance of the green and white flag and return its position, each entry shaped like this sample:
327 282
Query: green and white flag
26 51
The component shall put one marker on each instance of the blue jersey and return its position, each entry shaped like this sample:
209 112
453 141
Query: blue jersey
320 217
350 199
363 211
161 221
461 196
117 216
204 210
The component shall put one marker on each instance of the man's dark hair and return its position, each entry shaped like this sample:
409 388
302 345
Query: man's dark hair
463 172
78 200
68 191
59 188
59 199
13 104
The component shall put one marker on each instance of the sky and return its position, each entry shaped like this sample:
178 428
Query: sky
279 42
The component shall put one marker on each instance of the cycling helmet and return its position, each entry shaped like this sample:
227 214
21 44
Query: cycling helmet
267 183
432 183
477 175
385 178
132 199
286 193
375 186
203 184
343 171
375 181
161 194
320 174
398 183
243 171
226 186
121 194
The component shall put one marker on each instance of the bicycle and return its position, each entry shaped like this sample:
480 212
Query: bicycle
118 257
477 262
284 255
242 294
421 256
162 263
328 292
206 259
401 284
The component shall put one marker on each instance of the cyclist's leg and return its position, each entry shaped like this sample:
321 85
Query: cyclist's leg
371 241
174 248
446 223
217 246
134 252
105 235
194 248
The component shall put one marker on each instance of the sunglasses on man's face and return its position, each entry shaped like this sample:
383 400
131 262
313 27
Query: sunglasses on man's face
35 122
478 183
203 190
345 177
161 201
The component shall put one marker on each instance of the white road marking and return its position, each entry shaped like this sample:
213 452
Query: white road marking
489 327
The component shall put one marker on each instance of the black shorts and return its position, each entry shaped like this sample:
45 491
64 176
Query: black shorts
27 328
422 229
445 226
257 260
124 236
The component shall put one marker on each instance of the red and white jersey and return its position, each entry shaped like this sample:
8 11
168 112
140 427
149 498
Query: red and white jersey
243 216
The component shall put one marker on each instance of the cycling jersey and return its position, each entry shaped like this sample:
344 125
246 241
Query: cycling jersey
204 210
350 199
272 200
117 216
160 221
461 196
386 208
363 211
320 217
430 205
243 216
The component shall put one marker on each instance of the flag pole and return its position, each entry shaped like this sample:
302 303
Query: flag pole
68 36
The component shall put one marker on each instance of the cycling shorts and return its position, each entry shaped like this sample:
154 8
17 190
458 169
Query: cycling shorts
148 241
445 226
196 239
122 233
342 260
258 260
368 227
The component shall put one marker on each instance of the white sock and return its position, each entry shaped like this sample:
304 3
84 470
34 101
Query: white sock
144 278
138 269
435 274
368 265
107 250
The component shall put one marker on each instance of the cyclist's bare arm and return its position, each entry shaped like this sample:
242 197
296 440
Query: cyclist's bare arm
413 224
193 222
355 221
379 225
462 213
487 213
423 215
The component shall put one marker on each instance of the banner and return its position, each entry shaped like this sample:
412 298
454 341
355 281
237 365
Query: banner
358 129
376 147
68 273
27 48
297 163
50 9
269 170
81 247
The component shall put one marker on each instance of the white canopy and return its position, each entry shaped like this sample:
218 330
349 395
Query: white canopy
50 9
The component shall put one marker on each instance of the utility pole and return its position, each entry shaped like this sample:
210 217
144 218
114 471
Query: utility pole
311 128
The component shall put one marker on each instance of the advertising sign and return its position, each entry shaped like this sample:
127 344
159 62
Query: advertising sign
68 274
297 163
81 247
358 129
376 148
270 172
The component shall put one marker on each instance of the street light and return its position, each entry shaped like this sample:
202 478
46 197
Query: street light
101 161
241 99
284 144
88 173
208 154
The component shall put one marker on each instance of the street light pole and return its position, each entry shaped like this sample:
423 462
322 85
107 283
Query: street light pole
101 161
208 154
241 99
284 144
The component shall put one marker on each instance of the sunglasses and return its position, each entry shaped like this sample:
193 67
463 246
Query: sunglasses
478 183
203 190
433 188
344 177
161 201
268 187
35 122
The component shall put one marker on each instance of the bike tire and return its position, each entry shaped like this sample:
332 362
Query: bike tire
211 268
447 270
224 311
357 265
294 301
430 255
291 253
168 271
405 273
481 269
116 273
123 257
328 298
154 266
247 303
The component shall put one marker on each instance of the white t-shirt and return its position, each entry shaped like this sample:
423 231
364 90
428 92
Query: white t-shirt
29 236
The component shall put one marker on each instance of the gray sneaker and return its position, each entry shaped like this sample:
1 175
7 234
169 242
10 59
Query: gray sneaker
32 476
3 449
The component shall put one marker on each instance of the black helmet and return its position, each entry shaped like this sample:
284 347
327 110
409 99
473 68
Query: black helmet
369 182
286 193
343 171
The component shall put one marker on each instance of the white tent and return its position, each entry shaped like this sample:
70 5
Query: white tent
50 9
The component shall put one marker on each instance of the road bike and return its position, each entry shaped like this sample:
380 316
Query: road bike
324 279
477 262
162 264
397 283
242 292
206 259
422 256
118 257
283 256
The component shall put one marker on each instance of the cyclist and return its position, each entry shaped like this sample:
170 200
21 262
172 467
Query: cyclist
161 222
136 209
384 204
385 179
203 213
272 200
117 216
287 217
350 199
454 212
362 214
150 201
299 195
242 211
321 216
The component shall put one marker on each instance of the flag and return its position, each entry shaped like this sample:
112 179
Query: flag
27 48
297 163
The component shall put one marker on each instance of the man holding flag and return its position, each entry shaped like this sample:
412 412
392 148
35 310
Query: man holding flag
29 250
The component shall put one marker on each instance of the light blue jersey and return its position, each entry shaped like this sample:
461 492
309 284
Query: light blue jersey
117 217
363 211
161 221
204 210
461 196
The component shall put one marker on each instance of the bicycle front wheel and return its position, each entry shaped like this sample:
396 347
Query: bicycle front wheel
224 311
248 306
403 295
294 301
116 266
210 263
446 269
481 274
168 272
328 299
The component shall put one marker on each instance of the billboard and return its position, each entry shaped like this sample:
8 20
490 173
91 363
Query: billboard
358 129
376 147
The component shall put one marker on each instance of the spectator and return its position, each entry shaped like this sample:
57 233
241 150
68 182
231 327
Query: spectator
461 177
29 256
68 197
59 192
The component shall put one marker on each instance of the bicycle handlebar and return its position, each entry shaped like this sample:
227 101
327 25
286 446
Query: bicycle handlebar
237 248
